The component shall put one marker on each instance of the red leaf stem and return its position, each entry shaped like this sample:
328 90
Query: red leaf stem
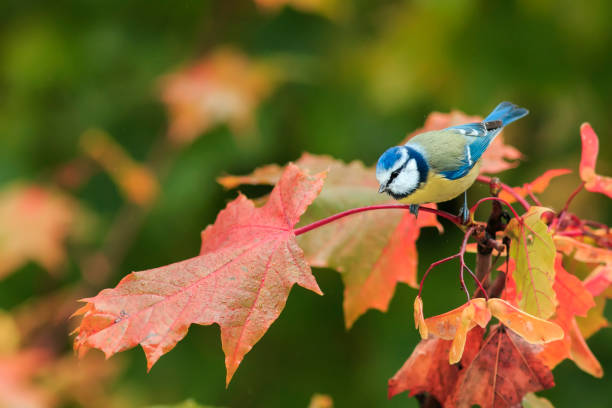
571 233
298 231
571 197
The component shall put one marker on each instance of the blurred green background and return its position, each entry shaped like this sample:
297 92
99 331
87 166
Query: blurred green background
351 78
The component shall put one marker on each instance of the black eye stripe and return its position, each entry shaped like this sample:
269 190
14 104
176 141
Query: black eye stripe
394 175
397 172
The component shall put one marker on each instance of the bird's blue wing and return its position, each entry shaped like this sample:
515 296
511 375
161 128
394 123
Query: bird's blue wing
477 139
476 129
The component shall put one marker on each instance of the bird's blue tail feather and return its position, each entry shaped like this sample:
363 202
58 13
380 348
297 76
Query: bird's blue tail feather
506 112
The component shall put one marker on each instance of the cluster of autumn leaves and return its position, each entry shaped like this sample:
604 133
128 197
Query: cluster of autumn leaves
255 251
250 258
561 265
545 312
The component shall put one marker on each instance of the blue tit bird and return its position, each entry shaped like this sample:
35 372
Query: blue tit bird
439 165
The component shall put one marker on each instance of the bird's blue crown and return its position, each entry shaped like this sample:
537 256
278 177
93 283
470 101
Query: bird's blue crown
389 158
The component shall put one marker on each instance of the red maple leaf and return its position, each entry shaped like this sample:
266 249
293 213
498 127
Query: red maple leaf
372 250
573 297
428 370
504 370
590 148
248 263
531 328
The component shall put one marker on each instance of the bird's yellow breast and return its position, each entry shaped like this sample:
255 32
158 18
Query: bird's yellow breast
438 188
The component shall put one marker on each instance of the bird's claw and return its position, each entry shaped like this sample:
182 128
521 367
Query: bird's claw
414 209
464 213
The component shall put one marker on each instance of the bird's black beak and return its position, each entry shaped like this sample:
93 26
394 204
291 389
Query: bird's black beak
382 188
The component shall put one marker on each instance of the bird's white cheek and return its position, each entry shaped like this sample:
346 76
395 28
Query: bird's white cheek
405 182
383 177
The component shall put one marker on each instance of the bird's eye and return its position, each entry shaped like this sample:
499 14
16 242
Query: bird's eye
394 175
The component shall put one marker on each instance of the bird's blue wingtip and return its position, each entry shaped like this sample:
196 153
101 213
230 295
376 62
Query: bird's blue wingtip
507 112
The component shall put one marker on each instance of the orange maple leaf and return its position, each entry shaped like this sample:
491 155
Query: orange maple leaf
248 263
595 319
590 148
419 319
456 324
574 300
539 185
531 328
396 263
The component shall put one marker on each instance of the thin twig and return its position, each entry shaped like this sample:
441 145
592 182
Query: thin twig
532 195
483 270
433 265
571 198
507 204
462 264
462 261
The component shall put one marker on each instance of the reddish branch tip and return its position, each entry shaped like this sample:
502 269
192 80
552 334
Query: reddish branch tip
507 188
